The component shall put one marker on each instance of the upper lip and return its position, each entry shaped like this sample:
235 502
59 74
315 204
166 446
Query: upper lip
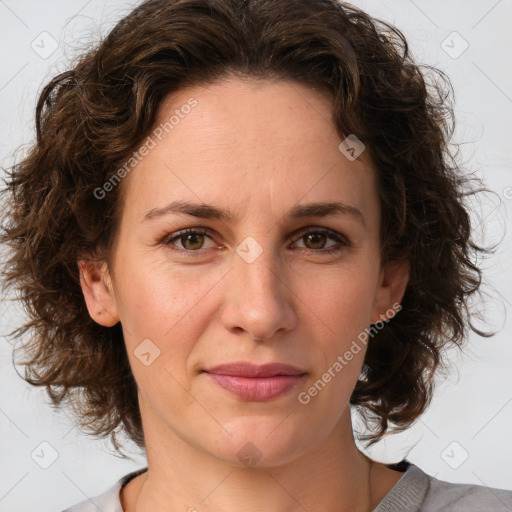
245 369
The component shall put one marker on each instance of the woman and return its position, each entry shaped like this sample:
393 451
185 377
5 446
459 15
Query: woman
239 220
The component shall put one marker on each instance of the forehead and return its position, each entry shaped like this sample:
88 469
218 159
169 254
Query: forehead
247 120
241 139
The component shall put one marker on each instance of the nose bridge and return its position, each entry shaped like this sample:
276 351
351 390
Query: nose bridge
260 301
257 268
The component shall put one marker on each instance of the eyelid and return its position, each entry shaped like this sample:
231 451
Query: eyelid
319 229
187 231
296 236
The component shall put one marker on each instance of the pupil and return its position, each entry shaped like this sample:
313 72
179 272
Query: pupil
318 237
192 237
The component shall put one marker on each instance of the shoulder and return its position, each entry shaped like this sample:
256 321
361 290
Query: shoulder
417 491
466 497
109 500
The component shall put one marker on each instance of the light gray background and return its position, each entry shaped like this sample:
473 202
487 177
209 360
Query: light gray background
465 434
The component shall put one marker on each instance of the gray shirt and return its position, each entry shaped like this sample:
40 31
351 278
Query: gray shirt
414 492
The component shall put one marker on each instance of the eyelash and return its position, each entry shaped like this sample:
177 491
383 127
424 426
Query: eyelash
342 241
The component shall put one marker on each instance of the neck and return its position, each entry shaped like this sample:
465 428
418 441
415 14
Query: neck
332 476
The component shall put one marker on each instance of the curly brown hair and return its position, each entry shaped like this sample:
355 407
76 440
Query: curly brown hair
91 118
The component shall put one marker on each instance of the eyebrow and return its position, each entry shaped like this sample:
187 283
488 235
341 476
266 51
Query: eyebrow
206 211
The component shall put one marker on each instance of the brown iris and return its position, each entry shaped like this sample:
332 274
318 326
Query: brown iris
315 238
196 241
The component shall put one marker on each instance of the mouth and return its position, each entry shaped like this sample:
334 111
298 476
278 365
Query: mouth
254 382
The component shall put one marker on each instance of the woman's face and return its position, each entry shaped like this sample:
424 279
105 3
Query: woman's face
281 265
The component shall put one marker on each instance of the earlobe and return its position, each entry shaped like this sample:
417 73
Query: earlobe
98 292
392 284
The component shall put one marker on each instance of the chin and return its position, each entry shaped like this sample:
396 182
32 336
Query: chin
262 441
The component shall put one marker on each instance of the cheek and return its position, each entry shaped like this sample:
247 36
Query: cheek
155 299
341 299
165 312
340 306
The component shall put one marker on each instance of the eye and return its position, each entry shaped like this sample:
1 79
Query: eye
191 240
315 239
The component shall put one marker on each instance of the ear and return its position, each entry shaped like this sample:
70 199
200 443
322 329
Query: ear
96 285
391 288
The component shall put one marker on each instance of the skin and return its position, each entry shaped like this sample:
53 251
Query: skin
292 304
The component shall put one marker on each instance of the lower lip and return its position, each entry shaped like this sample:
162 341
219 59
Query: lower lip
256 388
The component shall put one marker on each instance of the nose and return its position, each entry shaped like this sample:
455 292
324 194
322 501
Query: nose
258 301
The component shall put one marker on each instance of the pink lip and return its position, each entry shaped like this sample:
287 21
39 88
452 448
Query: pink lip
253 382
